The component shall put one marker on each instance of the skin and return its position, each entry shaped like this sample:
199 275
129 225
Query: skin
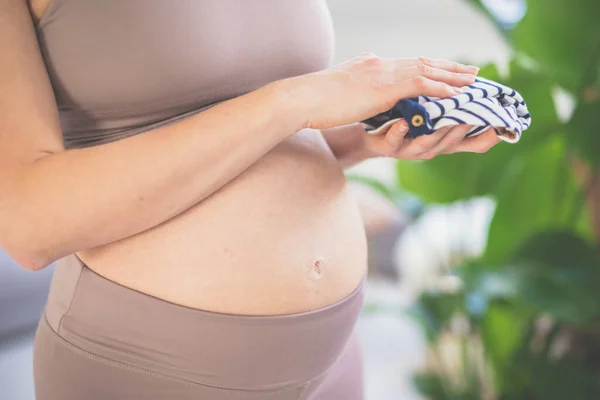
155 212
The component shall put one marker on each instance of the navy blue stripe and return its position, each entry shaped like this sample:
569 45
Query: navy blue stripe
503 109
515 101
477 130
453 119
442 109
485 93
519 122
492 111
475 115
500 90
435 120
508 109
516 119
514 114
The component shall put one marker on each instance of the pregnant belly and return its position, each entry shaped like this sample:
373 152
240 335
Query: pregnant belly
283 237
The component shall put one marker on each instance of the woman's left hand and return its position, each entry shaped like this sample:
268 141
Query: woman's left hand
397 143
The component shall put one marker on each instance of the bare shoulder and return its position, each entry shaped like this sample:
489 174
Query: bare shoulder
29 124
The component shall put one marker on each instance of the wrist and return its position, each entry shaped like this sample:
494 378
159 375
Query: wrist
366 152
293 102
348 143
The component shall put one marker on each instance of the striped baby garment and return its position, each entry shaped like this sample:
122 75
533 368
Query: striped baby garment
482 104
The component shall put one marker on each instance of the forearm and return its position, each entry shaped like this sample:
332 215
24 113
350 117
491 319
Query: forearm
347 144
83 198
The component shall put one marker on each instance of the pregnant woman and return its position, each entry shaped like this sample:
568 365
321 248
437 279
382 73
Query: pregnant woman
184 161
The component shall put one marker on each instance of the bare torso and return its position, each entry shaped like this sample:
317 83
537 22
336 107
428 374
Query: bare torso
284 236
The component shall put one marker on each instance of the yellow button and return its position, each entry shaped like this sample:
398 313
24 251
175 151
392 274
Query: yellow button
417 120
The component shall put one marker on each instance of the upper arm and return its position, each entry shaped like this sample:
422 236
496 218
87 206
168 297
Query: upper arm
29 124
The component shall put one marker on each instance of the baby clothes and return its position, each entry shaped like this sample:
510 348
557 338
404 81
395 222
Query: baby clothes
483 104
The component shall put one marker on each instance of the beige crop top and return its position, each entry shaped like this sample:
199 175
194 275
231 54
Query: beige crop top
119 68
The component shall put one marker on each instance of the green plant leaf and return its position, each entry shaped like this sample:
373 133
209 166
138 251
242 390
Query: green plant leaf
560 275
448 178
562 379
561 36
584 131
562 249
557 293
502 334
490 71
432 386
540 194
434 310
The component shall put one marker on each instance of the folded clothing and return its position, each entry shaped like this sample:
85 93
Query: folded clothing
483 104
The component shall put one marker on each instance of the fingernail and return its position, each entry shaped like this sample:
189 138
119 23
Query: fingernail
403 126
458 90
469 76
474 69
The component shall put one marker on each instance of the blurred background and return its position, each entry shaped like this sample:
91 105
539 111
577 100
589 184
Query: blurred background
484 279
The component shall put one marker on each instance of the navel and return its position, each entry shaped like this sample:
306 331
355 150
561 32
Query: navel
317 269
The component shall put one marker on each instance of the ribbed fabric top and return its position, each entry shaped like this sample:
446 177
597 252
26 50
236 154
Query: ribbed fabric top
119 68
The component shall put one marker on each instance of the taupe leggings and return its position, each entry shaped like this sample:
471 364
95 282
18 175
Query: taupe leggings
101 340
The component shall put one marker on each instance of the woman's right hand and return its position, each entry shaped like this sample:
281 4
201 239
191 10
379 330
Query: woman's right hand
367 85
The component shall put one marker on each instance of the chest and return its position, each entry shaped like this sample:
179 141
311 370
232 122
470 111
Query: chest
144 55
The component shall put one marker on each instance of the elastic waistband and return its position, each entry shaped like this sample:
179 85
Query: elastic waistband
218 349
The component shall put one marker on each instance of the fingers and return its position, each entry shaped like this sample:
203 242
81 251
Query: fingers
450 66
389 144
436 74
395 136
422 76
479 144
455 135
447 140
421 86
422 147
